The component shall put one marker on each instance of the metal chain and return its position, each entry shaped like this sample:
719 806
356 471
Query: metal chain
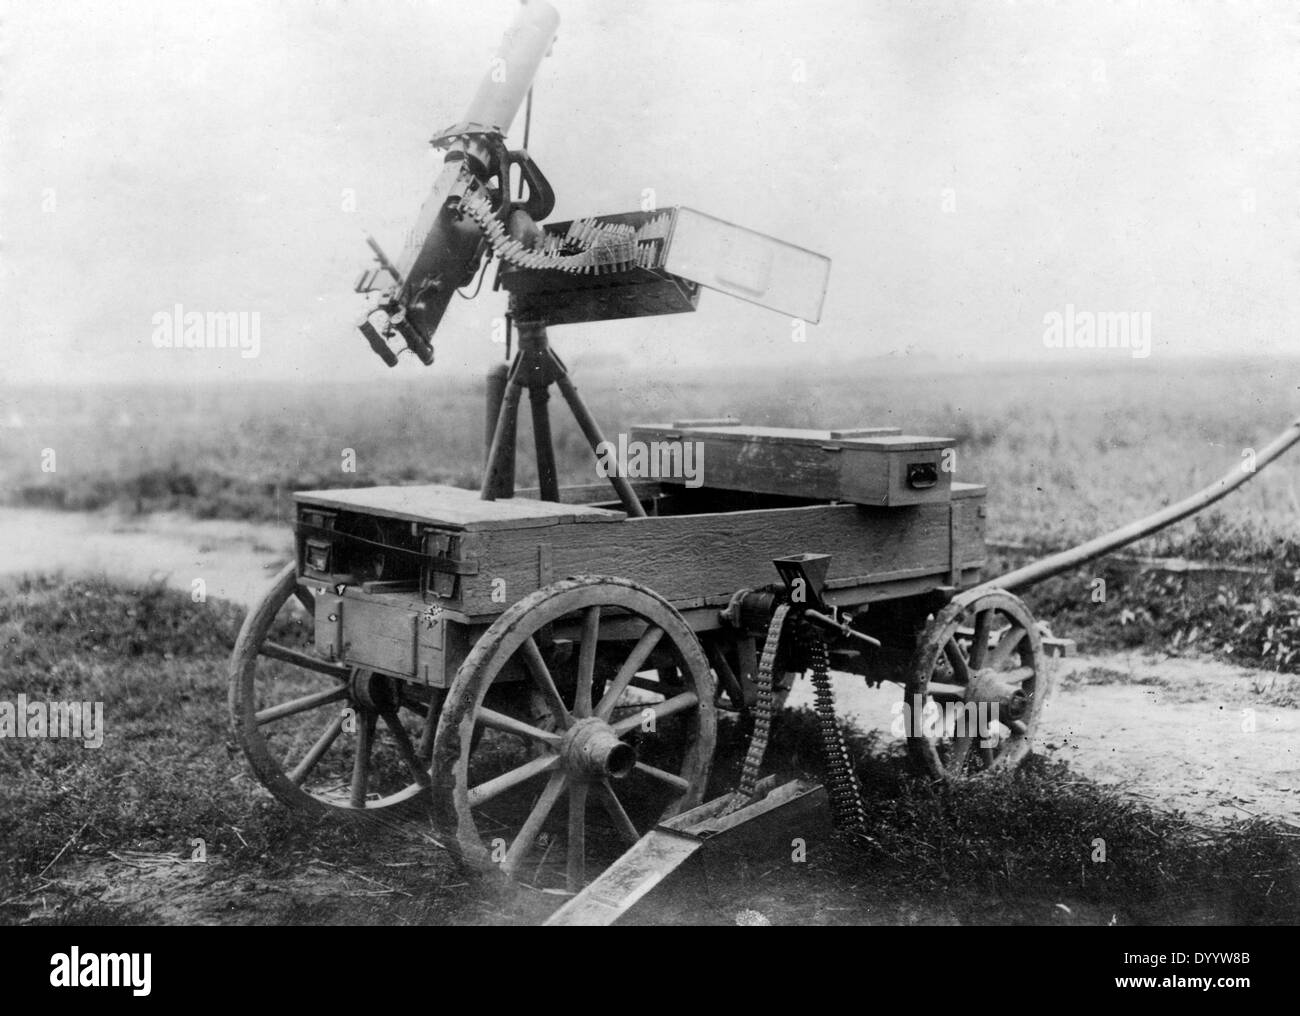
764 706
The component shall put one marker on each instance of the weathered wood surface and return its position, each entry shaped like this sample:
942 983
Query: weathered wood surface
728 821
697 557
869 470
882 438
453 507
652 859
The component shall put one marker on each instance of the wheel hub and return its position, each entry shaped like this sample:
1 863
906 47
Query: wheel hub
591 749
1011 700
373 691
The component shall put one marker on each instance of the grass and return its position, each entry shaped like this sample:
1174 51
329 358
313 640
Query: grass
1067 451
1001 848
1011 847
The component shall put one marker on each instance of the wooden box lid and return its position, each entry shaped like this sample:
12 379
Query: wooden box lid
453 507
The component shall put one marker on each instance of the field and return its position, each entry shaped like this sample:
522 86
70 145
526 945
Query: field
1066 451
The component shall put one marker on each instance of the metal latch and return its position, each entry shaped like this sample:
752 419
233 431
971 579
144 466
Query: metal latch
443 563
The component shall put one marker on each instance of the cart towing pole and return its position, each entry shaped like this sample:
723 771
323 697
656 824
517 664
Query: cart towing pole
1065 560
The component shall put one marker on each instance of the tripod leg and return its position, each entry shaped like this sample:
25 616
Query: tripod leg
499 475
591 431
547 478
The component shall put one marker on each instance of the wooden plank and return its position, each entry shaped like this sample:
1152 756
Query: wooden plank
454 507
596 494
716 421
889 438
376 636
652 859
725 820
837 435
691 556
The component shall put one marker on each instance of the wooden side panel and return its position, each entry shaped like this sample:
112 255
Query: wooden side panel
690 557
375 635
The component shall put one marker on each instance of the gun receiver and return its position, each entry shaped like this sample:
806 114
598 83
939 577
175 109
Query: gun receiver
444 249
597 268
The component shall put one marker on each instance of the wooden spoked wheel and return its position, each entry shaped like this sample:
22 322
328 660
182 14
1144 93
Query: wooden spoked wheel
622 748
978 686
321 736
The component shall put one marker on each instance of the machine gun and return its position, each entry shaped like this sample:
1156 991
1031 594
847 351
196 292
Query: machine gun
598 268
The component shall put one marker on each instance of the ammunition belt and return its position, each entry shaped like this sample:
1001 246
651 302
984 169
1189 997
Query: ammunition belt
764 706
590 247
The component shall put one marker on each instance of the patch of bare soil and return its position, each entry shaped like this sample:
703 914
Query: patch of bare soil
1201 736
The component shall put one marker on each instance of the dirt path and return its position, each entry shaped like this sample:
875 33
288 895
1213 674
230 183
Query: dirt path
1201 736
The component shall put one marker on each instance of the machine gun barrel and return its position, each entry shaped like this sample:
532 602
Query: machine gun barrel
443 250
510 74
1064 561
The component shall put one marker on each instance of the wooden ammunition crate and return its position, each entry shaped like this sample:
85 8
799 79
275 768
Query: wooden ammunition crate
876 466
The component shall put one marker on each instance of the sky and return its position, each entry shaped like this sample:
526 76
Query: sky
969 167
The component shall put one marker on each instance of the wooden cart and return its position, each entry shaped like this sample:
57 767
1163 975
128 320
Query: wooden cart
478 659
477 656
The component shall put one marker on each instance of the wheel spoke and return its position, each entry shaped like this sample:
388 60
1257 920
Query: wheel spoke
305 597
300 705
405 748
661 710
586 666
614 808
541 675
510 725
425 748
636 660
361 760
1010 642
960 669
980 642
576 870
1017 676
300 659
498 785
527 835
322 745
673 780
